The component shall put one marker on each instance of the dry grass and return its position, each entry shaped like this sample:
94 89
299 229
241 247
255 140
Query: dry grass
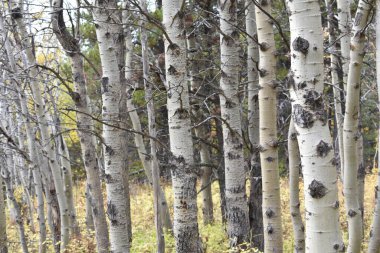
213 236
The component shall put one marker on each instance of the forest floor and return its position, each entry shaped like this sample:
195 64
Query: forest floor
213 236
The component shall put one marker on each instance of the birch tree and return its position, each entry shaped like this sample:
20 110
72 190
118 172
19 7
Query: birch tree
374 240
25 117
27 47
268 130
255 196
306 85
351 127
109 33
294 178
184 178
85 125
235 172
3 221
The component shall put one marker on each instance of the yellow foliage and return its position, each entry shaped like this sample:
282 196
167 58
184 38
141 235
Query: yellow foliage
213 236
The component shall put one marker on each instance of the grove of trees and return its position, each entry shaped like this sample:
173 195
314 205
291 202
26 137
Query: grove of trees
256 118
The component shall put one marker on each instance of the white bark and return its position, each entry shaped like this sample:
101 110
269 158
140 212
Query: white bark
334 65
235 171
294 178
195 65
314 140
344 25
374 240
110 39
3 221
255 198
17 15
351 127
184 178
94 197
158 194
268 130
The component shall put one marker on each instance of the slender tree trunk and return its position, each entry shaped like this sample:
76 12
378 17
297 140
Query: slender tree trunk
315 143
7 156
155 170
89 217
64 158
268 130
374 240
110 39
195 66
17 15
256 194
221 171
235 172
3 221
85 124
144 156
351 127
10 194
294 178
184 178
335 80
344 25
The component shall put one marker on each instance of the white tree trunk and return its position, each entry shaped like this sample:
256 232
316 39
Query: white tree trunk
110 39
268 130
3 221
85 124
344 25
351 127
235 171
315 143
294 178
255 196
17 15
334 65
154 169
374 240
184 178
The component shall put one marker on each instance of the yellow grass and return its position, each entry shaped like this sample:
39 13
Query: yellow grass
213 236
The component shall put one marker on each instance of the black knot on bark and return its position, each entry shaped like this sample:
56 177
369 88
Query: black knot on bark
172 70
302 117
301 45
110 151
289 80
269 213
105 82
317 190
174 48
336 204
352 213
270 229
323 149
264 46
182 113
112 213
16 13
314 100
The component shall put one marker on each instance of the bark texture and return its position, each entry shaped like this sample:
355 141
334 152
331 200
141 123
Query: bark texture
351 132
27 46
185 225
111 40
268 130
255 196
86 127
294 178
374 240
235 171
315 143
